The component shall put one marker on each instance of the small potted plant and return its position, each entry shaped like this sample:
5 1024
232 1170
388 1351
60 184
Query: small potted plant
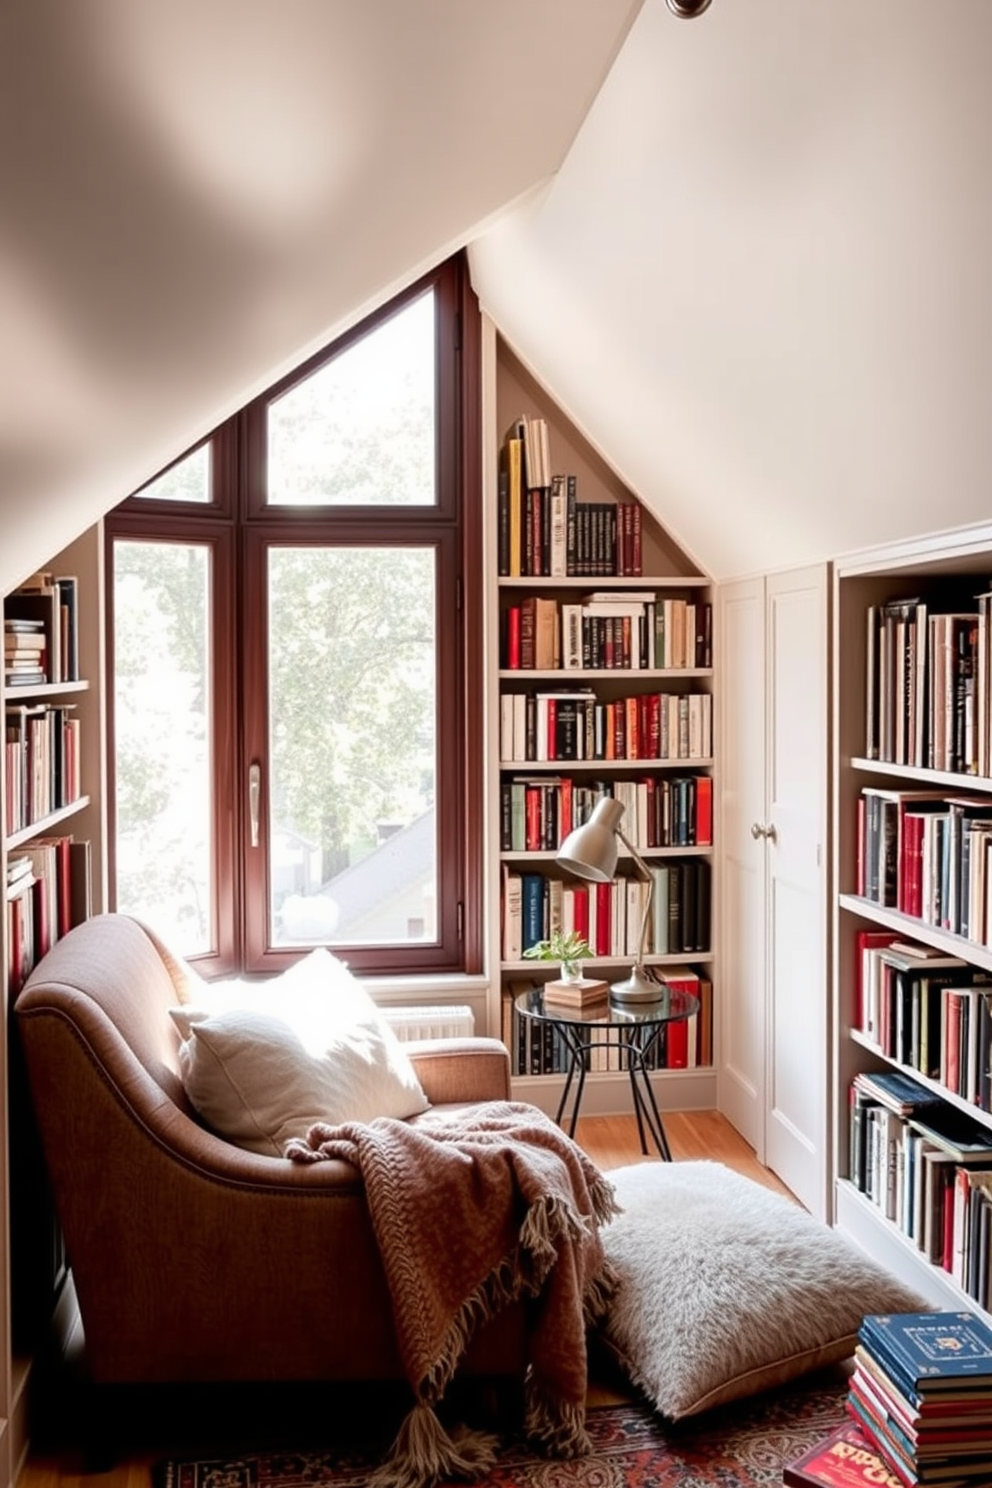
565 946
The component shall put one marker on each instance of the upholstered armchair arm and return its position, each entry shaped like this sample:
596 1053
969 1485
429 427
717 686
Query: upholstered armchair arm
461 1069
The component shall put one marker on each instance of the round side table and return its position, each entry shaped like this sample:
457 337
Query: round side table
634 1029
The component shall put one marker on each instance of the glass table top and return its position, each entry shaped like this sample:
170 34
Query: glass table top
672 1006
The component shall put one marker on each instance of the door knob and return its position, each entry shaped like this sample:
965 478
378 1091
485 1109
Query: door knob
757 830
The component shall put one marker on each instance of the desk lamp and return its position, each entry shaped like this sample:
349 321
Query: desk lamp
591 852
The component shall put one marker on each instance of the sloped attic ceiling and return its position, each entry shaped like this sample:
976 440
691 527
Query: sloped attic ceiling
758 279
761 280
194 194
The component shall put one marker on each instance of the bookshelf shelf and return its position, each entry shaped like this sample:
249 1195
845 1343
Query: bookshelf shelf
536 970
597 766
44 690
47 824
981 784
911 928
602 674
967 1108
913 742
611 581
860 1219
645 602
539 855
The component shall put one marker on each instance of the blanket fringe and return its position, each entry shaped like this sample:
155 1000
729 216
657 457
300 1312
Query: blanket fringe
600 1292
544 1225
497 1291
424 1455
523 1272
553 1426
605 1205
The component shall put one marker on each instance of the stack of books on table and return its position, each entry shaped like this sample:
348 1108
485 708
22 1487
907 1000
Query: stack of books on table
588 996
921 1392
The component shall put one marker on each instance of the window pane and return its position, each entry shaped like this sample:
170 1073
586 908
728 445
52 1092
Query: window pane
162 739
187 481
352 745
360 431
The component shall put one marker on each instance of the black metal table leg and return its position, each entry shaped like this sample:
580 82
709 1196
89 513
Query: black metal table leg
576 1065
631 1054
644 1100
568 1084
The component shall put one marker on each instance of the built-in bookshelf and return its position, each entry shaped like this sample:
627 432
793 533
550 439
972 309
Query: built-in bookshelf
913 922
601 640
52 857
47 869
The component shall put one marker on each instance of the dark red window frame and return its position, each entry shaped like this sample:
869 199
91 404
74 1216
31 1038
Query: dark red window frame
239 527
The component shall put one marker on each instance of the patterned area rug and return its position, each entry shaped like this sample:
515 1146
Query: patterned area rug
741 1446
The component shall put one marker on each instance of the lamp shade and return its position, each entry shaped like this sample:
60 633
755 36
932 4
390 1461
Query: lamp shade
591 850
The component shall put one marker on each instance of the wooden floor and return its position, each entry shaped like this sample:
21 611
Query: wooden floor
611 1141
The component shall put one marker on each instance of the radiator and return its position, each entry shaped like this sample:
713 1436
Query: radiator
452 1021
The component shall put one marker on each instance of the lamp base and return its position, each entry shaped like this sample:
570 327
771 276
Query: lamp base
637 988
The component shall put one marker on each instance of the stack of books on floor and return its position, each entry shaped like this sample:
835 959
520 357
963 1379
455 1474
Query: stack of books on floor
844 1458
921 1393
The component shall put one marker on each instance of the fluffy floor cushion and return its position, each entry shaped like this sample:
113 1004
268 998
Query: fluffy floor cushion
727 1288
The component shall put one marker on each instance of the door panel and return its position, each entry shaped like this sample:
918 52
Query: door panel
741 1066
773 974
795 1125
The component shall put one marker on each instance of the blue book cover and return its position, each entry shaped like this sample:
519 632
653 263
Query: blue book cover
532 907
898 1091
931 1350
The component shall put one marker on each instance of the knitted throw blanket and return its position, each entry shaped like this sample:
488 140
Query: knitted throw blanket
472 1210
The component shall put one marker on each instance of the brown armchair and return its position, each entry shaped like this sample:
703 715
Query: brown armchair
192 1259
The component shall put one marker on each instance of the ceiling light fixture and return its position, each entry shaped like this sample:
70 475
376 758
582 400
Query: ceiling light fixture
687 9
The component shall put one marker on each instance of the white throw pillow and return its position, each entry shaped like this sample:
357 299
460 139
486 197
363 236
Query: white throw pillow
309 985
313 1047
727 1288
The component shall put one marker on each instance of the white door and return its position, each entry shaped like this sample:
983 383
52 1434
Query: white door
774 1045
796 1146
741 775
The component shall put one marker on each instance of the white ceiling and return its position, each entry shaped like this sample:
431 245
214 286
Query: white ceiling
758 279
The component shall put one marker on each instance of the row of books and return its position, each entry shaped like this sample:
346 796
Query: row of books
928 685
927 854
41 641
918 1406
931 1013
609 915
537 812
538 1048
42 762
610 630
48 885
577 725
928 1169
544 530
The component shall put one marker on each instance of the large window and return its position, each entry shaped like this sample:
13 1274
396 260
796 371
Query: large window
294 637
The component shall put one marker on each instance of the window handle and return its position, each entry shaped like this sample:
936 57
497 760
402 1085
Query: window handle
254 790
